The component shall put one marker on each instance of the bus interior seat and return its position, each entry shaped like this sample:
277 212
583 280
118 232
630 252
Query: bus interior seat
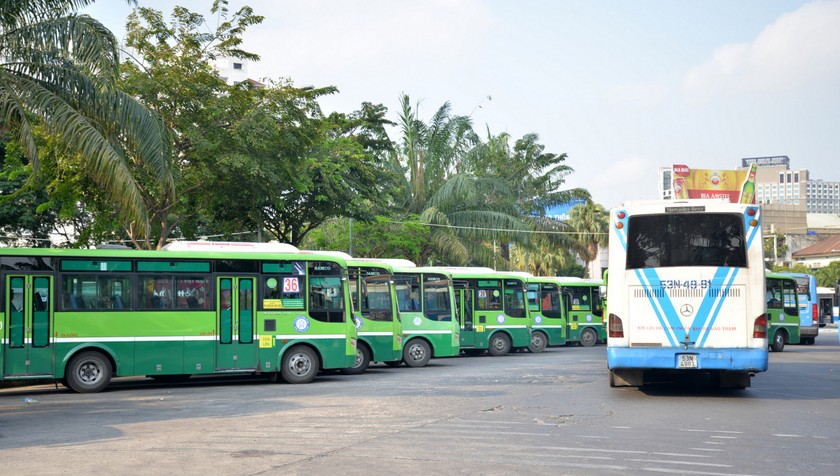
38 302
76 301
117 300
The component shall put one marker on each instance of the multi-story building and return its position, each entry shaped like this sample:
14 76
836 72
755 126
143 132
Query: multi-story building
823 197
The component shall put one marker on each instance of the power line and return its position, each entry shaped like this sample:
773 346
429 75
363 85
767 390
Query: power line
504 230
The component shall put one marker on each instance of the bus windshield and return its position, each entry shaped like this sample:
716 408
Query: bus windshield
669 240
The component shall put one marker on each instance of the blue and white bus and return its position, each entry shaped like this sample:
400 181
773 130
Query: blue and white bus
685 292
809 315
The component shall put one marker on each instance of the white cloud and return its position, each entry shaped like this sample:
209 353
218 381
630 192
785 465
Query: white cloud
789 53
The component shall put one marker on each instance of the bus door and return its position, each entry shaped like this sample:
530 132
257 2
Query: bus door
236 347
28 311
463 302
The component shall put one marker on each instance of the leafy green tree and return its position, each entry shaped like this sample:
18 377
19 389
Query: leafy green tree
775 247
828 276
534 179
254 158
796 268
171 70
60 69
381 238
22 222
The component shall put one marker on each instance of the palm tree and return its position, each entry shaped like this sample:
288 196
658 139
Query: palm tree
463 211
59 69
589 222
534 179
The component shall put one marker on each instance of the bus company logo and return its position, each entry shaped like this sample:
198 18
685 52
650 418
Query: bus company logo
358 321
500 318
589 318
301 324
538 319
417 321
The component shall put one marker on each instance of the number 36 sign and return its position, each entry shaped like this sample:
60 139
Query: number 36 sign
291 285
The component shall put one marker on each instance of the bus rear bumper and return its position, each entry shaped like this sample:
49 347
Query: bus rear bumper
751 360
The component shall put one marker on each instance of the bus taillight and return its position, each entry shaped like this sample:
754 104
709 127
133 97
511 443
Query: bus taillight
815 314
616 328
760 327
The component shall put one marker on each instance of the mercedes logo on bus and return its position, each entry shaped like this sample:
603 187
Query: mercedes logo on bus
686 310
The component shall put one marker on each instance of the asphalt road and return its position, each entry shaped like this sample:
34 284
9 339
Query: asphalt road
549 413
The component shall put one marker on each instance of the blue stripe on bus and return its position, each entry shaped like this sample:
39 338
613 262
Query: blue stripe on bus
725 285
667 314
647 278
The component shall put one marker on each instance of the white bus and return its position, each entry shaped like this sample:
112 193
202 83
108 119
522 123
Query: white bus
685 292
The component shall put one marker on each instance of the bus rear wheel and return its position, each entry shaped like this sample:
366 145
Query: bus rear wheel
88 372
417 353
538 342
588 337
362 361
778 344
499 344
300 365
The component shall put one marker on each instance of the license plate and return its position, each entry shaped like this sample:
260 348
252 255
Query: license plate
686 361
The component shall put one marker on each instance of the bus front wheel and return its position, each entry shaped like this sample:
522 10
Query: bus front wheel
499 344
417 353
88 372
300 365
539 342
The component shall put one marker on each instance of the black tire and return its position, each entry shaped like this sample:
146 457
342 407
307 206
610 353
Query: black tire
300 365
88 372
588 337
362 360
539 341
417 353
499 344
778 343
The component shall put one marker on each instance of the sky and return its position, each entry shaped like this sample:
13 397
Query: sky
621 87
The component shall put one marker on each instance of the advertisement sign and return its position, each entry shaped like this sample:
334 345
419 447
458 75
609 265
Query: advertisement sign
561 212
688 183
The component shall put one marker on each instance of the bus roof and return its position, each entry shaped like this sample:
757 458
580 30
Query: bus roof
168 254
231 246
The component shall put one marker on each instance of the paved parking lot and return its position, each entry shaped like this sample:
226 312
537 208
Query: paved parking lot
526 413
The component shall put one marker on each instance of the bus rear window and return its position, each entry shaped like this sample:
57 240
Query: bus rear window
707 239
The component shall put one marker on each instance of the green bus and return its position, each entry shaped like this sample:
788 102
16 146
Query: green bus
493 309
426 303
548 313
782 311
377 315
584 311
85 316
